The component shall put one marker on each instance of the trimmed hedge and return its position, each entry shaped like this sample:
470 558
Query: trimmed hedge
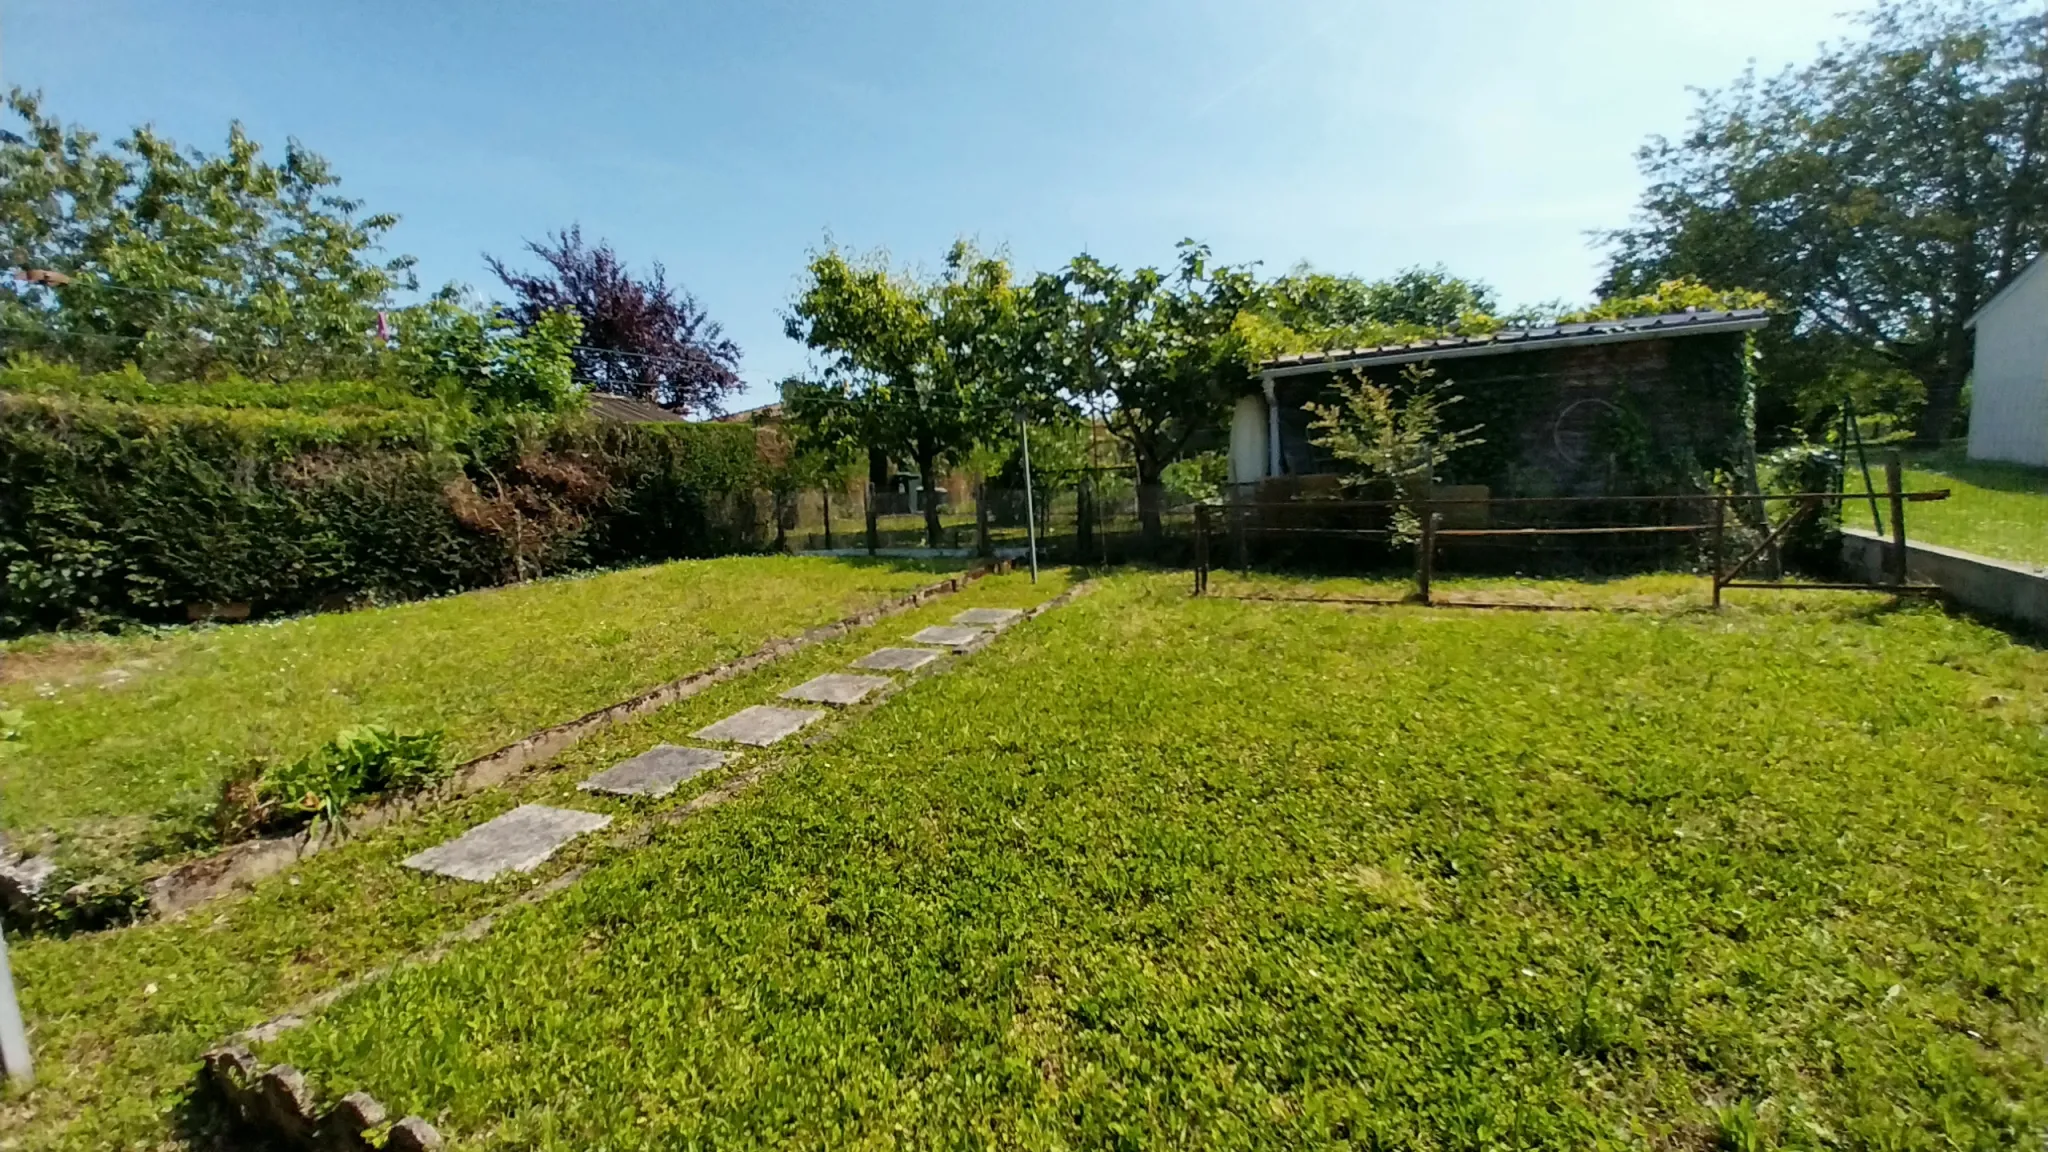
112 511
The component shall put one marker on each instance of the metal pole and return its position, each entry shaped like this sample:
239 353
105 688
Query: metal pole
1425 568
825 501
1895 485
1030 507
14 1056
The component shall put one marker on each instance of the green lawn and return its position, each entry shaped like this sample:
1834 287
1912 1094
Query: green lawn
1162 873
119 1019
1996 510
121 731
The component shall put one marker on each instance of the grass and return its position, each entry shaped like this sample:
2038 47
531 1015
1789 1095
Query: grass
1159 872
120 732
119 1019
1996 510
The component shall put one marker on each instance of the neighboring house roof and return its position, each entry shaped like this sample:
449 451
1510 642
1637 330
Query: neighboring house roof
749 415
2028 273
1522 339
629 410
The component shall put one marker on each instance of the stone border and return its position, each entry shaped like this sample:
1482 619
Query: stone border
276 1103
241 865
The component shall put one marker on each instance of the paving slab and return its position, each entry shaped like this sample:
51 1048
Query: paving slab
989 617
951 636
518 841
896 659
656 772
760 725
841 688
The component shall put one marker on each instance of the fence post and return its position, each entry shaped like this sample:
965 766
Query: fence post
1084 517
982 546
1720 529
14 1054
1425 566
825 502
1895 486
874 524
1201 549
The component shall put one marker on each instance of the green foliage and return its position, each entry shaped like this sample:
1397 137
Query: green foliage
1418 299
33 376
1156 357
120 511
1669 298
191 265
1198 477
365 760
476 359
1391 440
921 369
1883 193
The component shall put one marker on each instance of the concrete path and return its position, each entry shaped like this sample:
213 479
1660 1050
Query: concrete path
839 688
759 726
519 841
951 636
896 659
656 772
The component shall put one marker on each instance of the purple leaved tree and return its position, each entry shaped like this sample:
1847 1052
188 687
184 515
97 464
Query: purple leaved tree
641 337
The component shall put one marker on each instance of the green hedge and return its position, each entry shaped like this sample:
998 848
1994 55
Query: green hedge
112 511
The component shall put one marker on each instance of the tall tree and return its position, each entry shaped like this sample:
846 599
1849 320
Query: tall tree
1156 356
1884 193
641 336
914 368
182 262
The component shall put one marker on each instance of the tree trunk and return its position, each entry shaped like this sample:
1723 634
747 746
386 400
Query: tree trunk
1151 531
1944 401
928 476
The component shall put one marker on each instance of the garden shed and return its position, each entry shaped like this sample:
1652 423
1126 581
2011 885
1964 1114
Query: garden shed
1616 407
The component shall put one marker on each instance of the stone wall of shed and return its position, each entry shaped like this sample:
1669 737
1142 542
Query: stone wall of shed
1649 417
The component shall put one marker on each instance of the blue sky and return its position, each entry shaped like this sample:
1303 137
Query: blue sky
727 140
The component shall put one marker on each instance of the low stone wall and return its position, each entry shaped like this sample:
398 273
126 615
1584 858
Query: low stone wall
276 1105
2000 589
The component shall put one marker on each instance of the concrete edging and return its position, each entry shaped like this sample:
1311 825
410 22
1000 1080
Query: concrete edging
2000 589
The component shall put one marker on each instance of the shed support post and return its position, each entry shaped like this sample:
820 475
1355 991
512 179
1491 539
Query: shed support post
1272 426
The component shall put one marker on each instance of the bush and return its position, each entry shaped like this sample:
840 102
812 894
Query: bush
367 760
120 511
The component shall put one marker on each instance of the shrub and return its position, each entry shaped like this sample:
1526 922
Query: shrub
367 760
116 511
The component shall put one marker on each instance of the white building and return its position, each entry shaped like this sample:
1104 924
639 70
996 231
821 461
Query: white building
2009 393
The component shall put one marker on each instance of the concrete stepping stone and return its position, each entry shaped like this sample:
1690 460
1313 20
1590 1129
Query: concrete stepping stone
519 841
997 618
760 725
951 636
896 659
656 772
841 688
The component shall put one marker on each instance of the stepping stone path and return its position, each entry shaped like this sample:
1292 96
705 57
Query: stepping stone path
657 772
950 636
522 839
519 841
841 688
896 659
760 725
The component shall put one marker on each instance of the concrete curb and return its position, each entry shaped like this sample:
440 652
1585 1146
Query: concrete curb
2000 589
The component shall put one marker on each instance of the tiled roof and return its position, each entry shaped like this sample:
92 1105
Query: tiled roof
629 410
1515 339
